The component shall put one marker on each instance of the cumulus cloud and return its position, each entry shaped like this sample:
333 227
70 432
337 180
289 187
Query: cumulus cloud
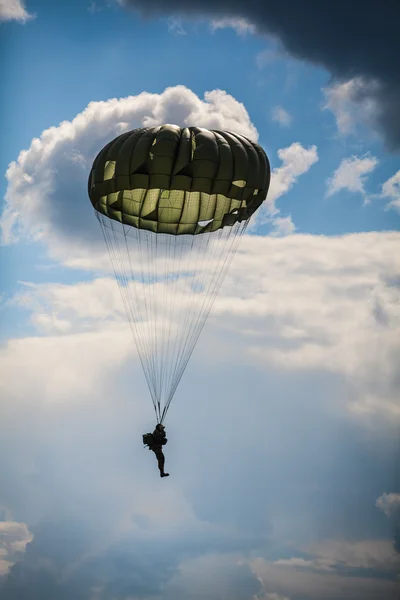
296 161
351 175
363 56
14 10
281 116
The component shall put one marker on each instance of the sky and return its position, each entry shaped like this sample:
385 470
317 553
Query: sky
283 437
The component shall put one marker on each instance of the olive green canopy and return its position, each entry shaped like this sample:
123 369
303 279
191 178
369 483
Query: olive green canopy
174 180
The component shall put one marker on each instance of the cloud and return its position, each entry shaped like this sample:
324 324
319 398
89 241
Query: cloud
296 160
353 103
46 197
329 303
391 190
289 580
389 504
283 226
351 175
14 538
365 52
241 26
317 564
326 303
175 26
213 576
266 57
363 554
14 10
74 409
66 374
281 116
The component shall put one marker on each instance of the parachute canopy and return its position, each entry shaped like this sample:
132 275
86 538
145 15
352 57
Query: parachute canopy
171 180
173 203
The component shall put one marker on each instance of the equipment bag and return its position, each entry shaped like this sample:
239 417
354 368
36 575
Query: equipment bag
147 439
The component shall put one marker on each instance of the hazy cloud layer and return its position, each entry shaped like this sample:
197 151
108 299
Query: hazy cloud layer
357 44
323 311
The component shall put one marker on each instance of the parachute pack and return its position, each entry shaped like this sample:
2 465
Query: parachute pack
148 439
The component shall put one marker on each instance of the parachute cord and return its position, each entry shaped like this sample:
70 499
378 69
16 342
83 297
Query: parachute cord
202 317
124 287
166 320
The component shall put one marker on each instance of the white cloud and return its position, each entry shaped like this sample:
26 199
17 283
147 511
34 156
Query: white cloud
351 175
352 103
281 116
240 25
14 538
391 190
14 10
389 503
296 160
283 226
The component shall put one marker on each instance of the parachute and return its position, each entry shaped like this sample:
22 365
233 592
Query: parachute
173 204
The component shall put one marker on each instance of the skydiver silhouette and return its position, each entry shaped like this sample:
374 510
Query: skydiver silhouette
159 440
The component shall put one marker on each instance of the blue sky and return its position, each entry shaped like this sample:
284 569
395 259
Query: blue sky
283 435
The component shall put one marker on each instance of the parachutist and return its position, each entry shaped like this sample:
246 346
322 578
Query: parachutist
155 442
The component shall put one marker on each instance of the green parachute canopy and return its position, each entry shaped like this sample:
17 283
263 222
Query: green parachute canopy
173 203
